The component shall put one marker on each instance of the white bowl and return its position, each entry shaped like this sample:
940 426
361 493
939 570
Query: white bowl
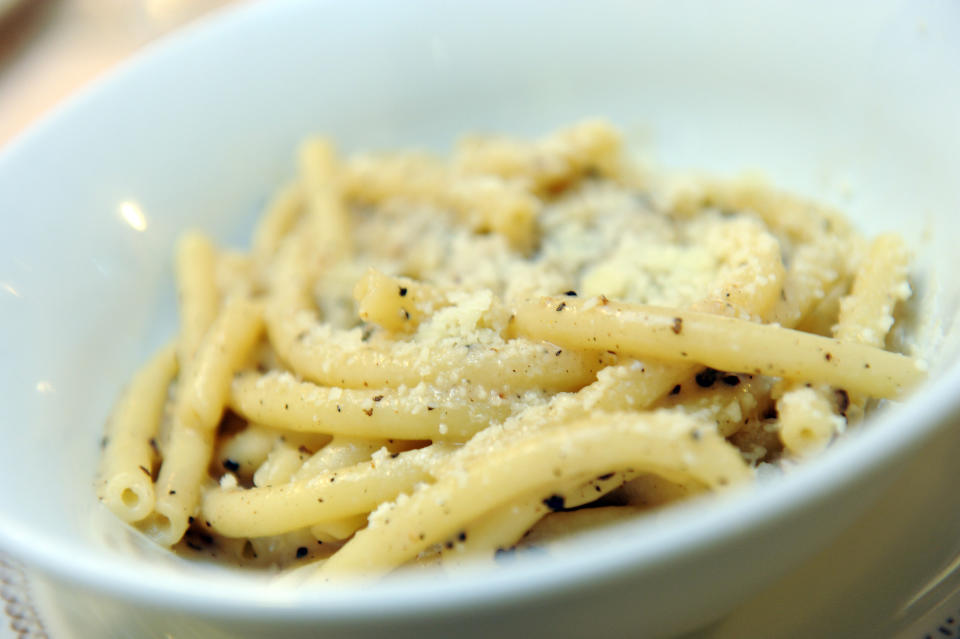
856 103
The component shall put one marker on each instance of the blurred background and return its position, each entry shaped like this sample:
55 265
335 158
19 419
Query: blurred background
51 48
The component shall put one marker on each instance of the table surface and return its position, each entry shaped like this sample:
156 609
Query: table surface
51 48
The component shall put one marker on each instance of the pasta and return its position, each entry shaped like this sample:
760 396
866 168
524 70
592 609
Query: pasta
426 362
717 341
128 456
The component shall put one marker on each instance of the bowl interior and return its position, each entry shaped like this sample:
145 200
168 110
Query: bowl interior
855 107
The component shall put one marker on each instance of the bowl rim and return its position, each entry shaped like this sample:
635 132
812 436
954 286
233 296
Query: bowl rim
891 435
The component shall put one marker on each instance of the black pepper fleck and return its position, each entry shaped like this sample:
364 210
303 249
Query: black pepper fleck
378 398
462 536
561 306
403 291
605 476
676 390
730 380
554 502
843 401
706 378
677 327
368 411
301 552
145 471
231 465
828 357
571 293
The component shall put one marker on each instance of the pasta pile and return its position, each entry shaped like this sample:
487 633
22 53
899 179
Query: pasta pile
418 361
